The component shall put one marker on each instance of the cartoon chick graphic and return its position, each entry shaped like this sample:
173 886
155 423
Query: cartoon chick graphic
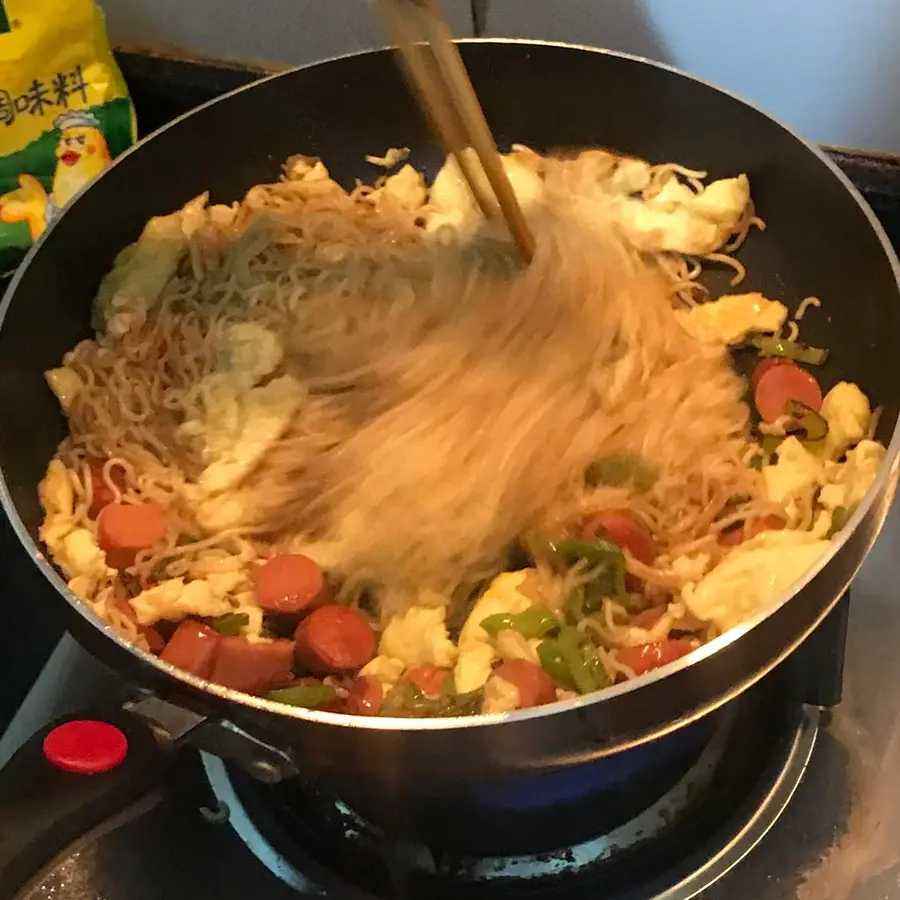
81 155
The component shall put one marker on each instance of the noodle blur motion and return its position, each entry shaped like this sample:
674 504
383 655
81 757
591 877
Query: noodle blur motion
342 450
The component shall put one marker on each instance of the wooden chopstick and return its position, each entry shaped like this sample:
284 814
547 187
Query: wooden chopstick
435 68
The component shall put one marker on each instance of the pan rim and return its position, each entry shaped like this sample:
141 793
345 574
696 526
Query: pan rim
884 481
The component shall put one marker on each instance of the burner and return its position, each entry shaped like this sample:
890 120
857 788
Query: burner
697 814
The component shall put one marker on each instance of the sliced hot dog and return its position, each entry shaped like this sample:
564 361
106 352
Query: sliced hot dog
155 641
192 647
623 528
101 493
764 365
253 668
535 686
646 657
365 697
428 679
779 384
334 639
288 583
124 529
737 535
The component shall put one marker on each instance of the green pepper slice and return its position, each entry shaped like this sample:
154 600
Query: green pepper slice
769 345
552 662
570 649
625 468
230 624
605 560
535 622
807 425
311 696
840 516
405 700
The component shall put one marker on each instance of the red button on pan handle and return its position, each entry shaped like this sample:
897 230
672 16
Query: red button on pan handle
85 747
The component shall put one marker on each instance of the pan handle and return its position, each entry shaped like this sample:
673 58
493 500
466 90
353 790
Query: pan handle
80 775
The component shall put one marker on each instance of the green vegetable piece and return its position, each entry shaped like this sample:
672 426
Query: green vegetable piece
230 624
570 649
552 662
311 696
616 471
604 559
493 625
406 701
599 673
757 462
769 345
839 519
468 704
535 622
185 539
811 427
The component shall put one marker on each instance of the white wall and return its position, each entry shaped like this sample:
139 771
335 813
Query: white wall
829 67
277 31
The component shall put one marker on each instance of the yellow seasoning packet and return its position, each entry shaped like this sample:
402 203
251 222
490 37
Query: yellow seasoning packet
65 113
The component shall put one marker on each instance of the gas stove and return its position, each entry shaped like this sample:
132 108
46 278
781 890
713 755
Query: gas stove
746 807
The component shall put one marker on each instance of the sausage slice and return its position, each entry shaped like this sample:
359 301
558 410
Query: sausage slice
124 529
334 639
365 697
192 647
535 686
253 668
288 583
625 529
779 384
428 679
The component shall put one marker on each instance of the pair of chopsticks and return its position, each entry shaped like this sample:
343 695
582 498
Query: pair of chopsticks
441 84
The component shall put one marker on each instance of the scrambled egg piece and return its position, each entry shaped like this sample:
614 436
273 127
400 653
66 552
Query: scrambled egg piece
392 156
309 177
385 670
794 473
66 383
690 567
677 219
238 421
850 480
74 549
173 600
847 412
602 172
250 352
752 576
240 425
142 270
731 318
406 189
80 557
56 492
450 201
418 636
476 650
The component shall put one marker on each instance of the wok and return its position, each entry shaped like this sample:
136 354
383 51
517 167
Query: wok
821 240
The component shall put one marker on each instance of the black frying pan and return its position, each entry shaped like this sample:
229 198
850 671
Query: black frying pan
821 240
